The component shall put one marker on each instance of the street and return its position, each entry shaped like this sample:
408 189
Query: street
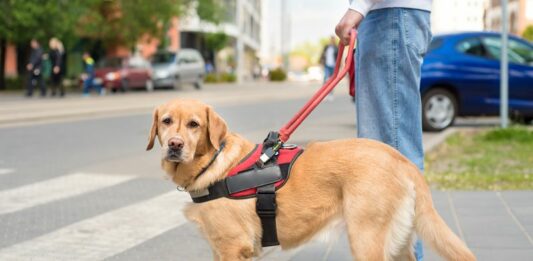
77 184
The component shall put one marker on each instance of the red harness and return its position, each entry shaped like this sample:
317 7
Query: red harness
286 155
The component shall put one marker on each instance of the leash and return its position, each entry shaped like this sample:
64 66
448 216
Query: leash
275 140
286 131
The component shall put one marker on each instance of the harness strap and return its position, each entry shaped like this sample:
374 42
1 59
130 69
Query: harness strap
253 178
266 210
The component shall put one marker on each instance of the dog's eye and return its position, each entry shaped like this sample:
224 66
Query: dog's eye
193 124
167 121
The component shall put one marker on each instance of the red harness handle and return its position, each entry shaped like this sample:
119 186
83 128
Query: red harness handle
286 131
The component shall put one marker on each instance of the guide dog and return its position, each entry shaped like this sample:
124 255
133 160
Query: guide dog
379 194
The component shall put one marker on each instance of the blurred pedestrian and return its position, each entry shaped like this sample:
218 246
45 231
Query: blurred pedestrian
88 75
393 37
328 59
56 57
34 68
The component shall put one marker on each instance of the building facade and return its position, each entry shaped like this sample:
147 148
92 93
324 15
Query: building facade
457 15
520 15
242 24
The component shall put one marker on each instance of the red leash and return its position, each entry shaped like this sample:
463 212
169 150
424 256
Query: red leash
286 131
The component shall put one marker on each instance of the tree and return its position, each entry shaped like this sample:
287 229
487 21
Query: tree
528 33
22 20
114 22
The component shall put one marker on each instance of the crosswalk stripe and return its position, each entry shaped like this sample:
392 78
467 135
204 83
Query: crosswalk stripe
6 171
105 235
35 194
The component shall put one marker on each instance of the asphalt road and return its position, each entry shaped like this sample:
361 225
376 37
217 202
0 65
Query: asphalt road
86 189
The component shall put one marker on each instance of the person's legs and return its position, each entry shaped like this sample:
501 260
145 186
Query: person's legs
87 86
42 86
390 48
328 71
29 85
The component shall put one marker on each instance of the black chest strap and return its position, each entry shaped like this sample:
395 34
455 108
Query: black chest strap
266 210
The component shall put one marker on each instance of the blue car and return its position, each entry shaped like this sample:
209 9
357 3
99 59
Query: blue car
461 77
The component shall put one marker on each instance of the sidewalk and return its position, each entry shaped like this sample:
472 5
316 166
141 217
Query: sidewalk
495 225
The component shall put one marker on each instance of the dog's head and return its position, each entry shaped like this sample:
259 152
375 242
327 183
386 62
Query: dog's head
186 129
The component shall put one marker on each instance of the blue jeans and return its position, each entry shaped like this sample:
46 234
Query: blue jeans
89 83
328 72
390 46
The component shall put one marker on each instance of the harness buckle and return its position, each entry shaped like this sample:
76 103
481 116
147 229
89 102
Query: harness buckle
271 145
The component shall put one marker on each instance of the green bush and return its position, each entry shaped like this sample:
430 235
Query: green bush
228 77
15 83
222 77
277 75
211 78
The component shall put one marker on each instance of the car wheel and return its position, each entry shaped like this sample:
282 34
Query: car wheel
199 83
439 109
149 85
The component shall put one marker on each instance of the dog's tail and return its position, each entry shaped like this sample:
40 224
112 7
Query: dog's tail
433 230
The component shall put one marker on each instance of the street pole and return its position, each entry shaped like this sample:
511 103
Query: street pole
504 70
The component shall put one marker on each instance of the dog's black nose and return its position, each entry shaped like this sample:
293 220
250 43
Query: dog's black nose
175 143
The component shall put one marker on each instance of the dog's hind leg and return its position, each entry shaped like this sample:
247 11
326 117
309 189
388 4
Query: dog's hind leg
407 252
366 238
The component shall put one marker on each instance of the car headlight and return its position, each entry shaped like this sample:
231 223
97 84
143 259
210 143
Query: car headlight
161 74
112 76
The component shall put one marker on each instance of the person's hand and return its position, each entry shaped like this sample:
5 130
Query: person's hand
56 69
29 66
349 21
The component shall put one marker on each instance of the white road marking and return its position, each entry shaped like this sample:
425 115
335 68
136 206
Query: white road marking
35 194
6 171
105 235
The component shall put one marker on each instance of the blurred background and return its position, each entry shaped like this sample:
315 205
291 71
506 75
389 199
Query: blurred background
80 78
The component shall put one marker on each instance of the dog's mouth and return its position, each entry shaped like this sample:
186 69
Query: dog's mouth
174 155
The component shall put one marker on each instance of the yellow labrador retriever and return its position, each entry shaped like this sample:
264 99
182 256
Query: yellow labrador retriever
379 194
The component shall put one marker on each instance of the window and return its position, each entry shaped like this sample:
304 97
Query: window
472 46
518 52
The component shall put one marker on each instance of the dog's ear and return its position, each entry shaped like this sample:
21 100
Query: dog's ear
153 130
216 128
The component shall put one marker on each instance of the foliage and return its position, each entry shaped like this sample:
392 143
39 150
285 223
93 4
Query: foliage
216 41
220 77
22 20
123 22
528 33
277 75
496 159
210 10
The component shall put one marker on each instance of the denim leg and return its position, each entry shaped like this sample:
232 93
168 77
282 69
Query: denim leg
390 47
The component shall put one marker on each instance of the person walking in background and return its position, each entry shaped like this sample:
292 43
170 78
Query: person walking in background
393 37
56 57
34 67
328 59
88 75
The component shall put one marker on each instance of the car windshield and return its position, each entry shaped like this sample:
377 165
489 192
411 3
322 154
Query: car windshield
163 58
110 62
518 52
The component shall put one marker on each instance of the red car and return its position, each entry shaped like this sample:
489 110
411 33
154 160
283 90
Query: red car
123 73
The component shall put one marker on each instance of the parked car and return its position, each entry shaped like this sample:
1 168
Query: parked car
461 77
175 69
123 73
